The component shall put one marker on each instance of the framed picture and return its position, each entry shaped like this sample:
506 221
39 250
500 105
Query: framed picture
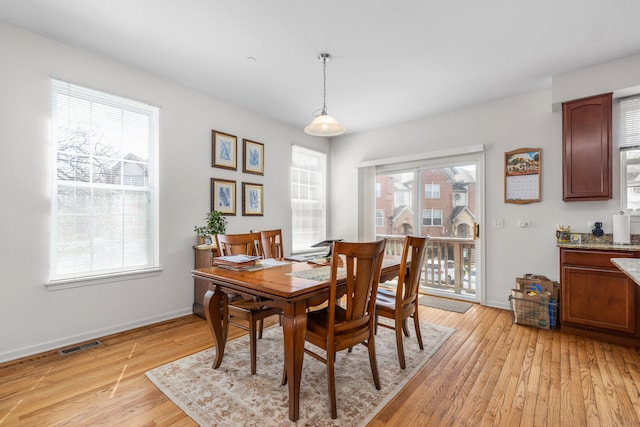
224 148
253 161
522 176
223 196
252 201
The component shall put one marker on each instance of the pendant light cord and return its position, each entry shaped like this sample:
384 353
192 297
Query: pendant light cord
324 57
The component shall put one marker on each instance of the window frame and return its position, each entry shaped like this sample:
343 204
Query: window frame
379 218
431 217
628 145
431 194
135 207
315 227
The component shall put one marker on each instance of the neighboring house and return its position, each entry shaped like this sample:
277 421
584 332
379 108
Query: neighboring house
444 204
132 170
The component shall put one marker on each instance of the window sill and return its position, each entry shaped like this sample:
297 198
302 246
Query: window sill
56 285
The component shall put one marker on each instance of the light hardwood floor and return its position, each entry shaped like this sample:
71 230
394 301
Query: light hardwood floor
490 372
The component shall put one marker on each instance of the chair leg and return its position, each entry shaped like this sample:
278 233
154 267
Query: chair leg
416 322
372 360
225 321
405 327
284 376
375 325
400 346
260 327
252 343
332 384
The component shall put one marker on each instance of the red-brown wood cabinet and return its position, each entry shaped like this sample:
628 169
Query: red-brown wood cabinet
586 148
598 299
203 258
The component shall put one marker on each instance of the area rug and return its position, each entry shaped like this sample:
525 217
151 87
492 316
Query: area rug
444 303
231 396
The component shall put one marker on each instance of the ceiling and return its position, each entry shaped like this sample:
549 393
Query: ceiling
393 61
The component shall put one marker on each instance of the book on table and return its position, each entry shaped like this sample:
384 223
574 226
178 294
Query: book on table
237 261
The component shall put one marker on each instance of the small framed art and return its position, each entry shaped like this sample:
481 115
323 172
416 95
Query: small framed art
252 200
224 148
223 196
253 161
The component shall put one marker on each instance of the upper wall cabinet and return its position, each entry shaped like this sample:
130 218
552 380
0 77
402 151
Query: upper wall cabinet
586 149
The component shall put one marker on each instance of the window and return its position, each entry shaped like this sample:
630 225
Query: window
431 217
308 184
402 198
104 188
630 152
379 218
432 191
459 199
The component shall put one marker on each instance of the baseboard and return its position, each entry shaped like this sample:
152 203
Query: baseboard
88 336
499 304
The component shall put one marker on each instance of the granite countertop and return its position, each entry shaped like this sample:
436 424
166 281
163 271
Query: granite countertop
603 243
600 246
629 266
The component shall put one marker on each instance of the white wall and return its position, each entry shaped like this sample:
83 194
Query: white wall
503 125
33 318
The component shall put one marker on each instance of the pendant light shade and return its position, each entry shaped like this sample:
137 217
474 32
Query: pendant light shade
324 124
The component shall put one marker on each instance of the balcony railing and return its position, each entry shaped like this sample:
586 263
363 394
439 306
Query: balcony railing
449 264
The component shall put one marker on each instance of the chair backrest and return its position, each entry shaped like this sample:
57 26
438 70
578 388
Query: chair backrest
413 253
362 263
272 244
239 244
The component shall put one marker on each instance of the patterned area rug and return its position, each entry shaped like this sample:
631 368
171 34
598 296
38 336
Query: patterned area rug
444 304
231 396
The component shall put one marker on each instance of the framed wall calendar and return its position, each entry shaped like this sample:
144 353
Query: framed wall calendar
522 175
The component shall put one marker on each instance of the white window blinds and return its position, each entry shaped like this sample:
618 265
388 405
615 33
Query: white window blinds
308 197
104 184
630 122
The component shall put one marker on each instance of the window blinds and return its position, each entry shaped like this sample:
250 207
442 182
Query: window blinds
104 185
630 122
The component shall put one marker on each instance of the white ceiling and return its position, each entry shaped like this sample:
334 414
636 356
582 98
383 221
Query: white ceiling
393 61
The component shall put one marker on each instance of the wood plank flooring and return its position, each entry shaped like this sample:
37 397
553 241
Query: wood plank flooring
490 372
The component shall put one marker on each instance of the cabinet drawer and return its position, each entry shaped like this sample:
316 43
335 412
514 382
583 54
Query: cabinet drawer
596 259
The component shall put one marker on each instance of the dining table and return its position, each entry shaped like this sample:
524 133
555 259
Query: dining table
292 286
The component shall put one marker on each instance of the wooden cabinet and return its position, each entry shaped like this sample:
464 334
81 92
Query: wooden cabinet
586 149
597 298
203 258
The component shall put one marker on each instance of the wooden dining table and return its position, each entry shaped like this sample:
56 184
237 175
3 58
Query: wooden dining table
293 287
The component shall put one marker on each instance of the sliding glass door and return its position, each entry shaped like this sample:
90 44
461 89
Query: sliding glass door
439 199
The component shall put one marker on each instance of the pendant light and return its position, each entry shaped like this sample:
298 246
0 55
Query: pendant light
324 124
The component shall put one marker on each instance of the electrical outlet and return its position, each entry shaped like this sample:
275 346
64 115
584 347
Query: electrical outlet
524 223
498 223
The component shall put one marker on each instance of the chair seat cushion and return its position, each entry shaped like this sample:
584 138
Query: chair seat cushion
385 300
386 291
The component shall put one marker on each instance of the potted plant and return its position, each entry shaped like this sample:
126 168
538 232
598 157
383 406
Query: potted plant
216 223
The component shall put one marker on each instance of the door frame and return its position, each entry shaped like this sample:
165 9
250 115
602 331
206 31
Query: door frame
366 198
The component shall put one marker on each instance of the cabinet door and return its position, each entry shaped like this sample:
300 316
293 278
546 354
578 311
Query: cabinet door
586 142
603 299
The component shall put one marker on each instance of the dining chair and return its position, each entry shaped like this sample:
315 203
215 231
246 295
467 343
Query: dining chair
403 303
250 310
348 320
272 244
